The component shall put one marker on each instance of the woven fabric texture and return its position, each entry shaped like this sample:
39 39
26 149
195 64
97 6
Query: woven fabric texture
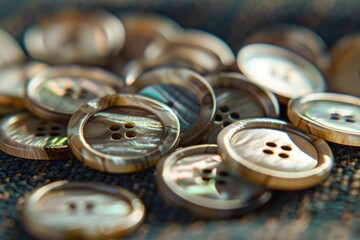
328 211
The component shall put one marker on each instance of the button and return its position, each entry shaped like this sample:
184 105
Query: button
195 178
122 133
237 98
12 85
74 210
187 93
56 93
298 39
10 50
333 117
192 38
275 153
84 37
182 57
23 135
141 29
343 72
282 72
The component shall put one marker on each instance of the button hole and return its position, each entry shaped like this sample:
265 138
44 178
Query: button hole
335 116
349 120
89 206
72 207
268 151
207 171
56 128
116 136
224 108
271 144
224 174
286 148
129 125
235 116
114 127
221 182
130 134
283 155
54 134
206 179
39 134
40 129
218 118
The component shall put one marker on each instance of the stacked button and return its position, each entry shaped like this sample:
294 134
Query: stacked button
162 90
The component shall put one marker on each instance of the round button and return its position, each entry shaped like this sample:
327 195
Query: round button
333 117
141 29
56 93
75 37
343 72
192 38
187 93
122 133
195 178
237 98
275 153
74 210
10 50
182 57
26 136
298 39
282 72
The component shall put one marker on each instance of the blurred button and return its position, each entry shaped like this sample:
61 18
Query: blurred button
275 153
237 98
23 135
10 50
141 29
123 133
63 210
12 85
343 72
56 93
333 117
298 39
182 57
191 38
187 93
75 37
195 178
280 71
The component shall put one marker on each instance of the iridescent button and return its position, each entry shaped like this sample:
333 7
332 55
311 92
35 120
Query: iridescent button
26 136
59 91
275 153
298 39
343 72
70 36
10 50
280 71
141 29
192 38
182 57
12 85
75 210
195 178
333 117
123 133
237 98
187 93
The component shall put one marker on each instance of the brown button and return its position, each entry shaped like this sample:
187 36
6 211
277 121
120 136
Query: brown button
56 93
236 99
10 50
123 133
85 37
26 136
333 117
195 178
187 93
74 210
280 71
12 85
275 153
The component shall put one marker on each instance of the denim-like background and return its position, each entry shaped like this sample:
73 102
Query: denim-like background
330 210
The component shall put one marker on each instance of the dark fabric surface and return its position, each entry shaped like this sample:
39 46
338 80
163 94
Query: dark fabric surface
328 211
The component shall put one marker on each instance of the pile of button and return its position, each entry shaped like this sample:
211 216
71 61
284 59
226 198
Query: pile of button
175 98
